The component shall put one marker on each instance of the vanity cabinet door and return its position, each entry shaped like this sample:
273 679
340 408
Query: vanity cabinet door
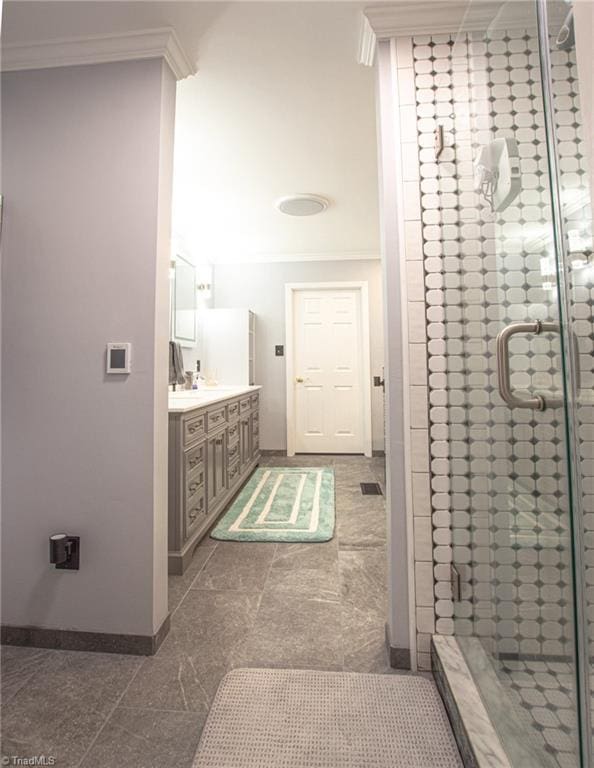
216 467
255 434
245 443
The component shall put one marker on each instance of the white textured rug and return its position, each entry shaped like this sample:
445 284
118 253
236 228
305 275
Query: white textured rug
275 718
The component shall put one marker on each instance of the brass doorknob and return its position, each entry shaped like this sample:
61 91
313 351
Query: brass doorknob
299 380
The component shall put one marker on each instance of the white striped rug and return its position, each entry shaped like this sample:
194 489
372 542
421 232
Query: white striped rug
287 504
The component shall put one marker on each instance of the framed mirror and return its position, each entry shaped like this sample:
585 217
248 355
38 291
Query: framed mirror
183 302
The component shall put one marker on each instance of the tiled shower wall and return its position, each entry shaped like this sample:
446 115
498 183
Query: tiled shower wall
488 484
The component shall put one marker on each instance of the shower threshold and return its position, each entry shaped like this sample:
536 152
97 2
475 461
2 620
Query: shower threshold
470 697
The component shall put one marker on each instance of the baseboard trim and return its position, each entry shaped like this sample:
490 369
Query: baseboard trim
398 658
95 642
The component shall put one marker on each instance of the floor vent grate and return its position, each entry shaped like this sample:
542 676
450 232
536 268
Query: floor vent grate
371 489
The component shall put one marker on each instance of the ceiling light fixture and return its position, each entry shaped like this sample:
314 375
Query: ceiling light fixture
302 205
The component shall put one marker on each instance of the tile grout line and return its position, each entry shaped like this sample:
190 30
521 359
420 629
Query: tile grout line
268 573
257 611
202 567
340 580
46 652
110 714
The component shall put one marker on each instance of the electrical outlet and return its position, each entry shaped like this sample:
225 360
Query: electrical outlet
279 350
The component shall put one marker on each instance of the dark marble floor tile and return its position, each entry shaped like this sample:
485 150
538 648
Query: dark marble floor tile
146 739
207 635
363 576
209 625
294 632
352 458
310 460
306 570
174 683
179 585
369 655
363 609
18 665
350 494
62 707
237 565
355 465
361 526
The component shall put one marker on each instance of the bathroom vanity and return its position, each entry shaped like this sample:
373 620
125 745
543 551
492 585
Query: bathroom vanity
214 445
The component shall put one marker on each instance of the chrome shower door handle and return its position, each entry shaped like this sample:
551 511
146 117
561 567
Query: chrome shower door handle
537 402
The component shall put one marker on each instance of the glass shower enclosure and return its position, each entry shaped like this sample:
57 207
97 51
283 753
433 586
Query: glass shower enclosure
519 341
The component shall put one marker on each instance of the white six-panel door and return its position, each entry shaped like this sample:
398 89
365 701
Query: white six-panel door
328 371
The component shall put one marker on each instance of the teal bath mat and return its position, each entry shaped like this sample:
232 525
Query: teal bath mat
287 504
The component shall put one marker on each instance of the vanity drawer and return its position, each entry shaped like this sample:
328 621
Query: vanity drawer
233 452
254 400
195 513
233 411
194 428
233 433
244 405
194 458
216 418
233 475
195 484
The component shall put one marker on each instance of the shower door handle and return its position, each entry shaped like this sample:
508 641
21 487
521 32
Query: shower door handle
537 402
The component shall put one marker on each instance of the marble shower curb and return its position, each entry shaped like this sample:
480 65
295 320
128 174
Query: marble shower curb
477 739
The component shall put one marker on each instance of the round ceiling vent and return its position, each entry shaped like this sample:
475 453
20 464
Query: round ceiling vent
302 205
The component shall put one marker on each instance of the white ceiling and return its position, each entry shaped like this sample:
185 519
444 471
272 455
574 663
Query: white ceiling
279 105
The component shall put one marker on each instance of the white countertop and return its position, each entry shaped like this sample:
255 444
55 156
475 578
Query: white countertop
187 399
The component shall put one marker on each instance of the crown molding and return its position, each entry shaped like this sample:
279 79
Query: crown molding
367 43
428 17
280 258
100 49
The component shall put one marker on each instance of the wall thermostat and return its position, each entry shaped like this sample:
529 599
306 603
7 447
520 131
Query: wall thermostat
118 358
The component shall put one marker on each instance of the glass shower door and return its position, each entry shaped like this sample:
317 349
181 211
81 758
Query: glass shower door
516 313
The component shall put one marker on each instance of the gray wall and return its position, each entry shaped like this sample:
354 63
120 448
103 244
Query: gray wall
261 288
87 153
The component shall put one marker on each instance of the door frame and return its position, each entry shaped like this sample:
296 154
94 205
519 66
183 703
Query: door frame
290 290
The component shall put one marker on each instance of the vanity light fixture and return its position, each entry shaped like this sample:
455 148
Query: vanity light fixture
303 204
